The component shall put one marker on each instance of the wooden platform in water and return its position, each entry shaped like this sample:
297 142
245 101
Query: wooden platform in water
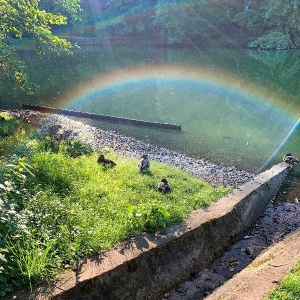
79 114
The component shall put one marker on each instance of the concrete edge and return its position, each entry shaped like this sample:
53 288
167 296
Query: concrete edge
146 266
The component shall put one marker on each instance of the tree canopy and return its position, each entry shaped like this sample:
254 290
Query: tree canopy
270 24
266 24
274 24
28 18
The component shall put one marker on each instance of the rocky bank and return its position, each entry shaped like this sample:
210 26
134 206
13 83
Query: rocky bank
66 127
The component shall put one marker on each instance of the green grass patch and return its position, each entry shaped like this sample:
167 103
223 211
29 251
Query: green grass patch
289 288
58 204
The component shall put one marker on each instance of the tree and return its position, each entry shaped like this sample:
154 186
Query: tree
128 16
275 24
68 8
25 19
192 21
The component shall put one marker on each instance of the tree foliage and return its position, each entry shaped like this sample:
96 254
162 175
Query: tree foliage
128 16
275 24
270 24
26 18
177 21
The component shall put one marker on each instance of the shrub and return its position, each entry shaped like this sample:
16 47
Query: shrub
12 132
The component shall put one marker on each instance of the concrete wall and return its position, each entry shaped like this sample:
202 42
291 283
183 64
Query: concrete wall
146 266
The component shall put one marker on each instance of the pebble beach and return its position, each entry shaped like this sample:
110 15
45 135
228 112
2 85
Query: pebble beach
70 128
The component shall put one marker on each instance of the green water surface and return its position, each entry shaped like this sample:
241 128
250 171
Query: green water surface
233 128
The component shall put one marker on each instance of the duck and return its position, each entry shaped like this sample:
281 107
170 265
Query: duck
290 160
105 161
144 163
164 187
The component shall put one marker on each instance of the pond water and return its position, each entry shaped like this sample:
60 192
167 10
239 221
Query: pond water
236 107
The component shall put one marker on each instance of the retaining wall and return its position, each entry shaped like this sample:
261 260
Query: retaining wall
146 266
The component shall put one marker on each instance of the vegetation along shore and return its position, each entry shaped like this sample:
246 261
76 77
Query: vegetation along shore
58 204
129 147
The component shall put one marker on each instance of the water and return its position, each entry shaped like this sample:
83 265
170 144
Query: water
236 107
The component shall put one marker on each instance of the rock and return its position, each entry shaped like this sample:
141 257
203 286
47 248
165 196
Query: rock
247 237
249 251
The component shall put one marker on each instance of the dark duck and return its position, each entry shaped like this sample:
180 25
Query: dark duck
290 160
144 163
105 161
164 187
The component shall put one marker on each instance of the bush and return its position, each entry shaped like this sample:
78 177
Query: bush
12 132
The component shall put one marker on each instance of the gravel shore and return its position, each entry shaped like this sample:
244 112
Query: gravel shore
70 128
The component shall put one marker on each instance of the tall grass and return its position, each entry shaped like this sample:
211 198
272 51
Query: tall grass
12 132
32 258
66 205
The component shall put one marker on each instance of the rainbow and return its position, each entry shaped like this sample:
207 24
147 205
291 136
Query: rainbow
210 79
214 81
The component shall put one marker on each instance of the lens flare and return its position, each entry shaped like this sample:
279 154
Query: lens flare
285 139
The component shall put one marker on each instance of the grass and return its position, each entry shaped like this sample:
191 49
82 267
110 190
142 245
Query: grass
289 288
59 204
12 132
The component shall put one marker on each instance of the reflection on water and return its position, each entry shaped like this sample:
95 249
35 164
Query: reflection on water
290 189
225 123
214 126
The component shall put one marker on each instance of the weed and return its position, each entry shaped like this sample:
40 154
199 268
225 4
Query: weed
76 148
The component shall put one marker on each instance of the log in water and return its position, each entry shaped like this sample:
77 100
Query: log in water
79 114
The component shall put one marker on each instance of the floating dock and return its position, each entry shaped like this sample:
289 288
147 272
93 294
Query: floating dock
79 114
